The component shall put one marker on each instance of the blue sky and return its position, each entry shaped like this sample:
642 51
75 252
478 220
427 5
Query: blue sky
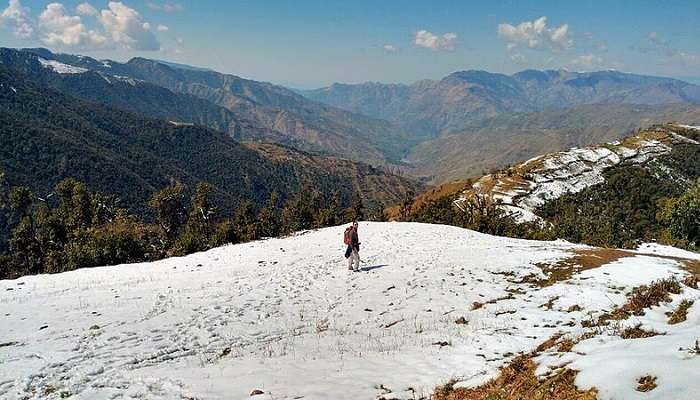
314 43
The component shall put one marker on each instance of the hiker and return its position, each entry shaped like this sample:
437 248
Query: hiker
352 240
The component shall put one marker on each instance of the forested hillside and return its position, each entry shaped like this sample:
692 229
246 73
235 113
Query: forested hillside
48 136
619 194
307 124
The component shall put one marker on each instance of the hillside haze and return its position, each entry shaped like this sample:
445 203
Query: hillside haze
465 96
278 114
49 135
471 121
453 128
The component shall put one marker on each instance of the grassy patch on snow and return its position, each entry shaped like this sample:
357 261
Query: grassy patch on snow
680 314
637 332
646 383
518 380
581 260
645 296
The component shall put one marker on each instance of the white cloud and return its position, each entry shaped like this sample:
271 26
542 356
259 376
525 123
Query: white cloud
16 18
586 62
673 55
536 35
86 9
163 28
166 7
691 59
63 30
390 48
429 40
127 28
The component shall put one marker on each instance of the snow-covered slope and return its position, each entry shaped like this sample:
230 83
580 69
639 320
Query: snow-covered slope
285 316
61 68
524 187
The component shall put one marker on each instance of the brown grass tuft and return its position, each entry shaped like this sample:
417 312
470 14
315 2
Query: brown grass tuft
691 281
646 383
636 332
581 260
477 305
680 314
692 266
645 296
549 343
517 380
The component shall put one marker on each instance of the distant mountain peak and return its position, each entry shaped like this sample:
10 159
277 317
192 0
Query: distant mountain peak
183 66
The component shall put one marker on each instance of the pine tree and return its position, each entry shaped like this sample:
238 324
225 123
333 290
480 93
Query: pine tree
682 217
197 233
328 215
19 199
169 205
406 205
357 210
246 222
202 209
298 214
270 217
75 204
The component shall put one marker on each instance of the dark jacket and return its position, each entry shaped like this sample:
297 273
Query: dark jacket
354 240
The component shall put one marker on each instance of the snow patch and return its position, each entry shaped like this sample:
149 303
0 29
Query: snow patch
531 184
286 317
61 68
669 357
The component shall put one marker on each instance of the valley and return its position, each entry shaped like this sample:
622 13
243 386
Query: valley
519 196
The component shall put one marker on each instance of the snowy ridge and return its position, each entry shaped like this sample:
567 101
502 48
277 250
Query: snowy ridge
285 316
108 78
523 188
60 67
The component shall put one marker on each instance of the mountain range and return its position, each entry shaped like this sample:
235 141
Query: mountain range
461 98
473 121
261 111
514 137
436 130
48 135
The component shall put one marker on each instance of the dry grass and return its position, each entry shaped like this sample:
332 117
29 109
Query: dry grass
528 167
653 133
562 344
574 308
451 189
691 281
581 260
636 332
550 303
646 383
680 314
477 305
645 296
508 184
517 380
692 266
549 343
